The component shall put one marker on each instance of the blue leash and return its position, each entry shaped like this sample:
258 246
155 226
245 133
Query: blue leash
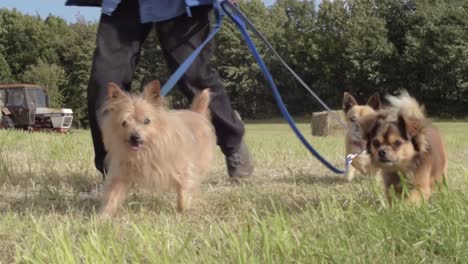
175 77
233 8
241 25
223 7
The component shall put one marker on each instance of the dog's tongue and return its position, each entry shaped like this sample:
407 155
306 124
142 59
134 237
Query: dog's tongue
135 148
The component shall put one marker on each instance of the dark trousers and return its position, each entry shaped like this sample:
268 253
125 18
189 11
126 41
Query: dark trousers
119 41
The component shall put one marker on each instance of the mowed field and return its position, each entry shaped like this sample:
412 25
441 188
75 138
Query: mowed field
292 211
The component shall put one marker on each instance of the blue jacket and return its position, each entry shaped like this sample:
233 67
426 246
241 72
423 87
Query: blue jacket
189 3
83 2
150 11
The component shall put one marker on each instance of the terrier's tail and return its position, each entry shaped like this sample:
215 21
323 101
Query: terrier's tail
201 102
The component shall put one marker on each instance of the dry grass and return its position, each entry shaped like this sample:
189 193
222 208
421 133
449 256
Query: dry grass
292 210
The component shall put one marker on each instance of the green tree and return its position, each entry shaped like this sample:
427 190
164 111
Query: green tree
23 39
50 77
293 37
76 59
437 54
361 46
367 49
5 72
240 73
330 38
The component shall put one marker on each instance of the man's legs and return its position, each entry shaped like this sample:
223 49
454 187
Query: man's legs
119 40
179 37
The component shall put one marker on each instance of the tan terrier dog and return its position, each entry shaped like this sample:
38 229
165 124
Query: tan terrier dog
154 147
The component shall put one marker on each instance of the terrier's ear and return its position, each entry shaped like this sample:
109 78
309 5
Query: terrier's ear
152 91
348 102
374 102
114 92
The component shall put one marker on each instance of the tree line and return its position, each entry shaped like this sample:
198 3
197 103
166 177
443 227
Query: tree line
360 46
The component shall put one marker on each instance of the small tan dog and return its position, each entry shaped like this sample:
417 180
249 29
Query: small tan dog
403 143
153 147
354 142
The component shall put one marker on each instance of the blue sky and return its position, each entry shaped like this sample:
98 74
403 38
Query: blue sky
58 8
55 7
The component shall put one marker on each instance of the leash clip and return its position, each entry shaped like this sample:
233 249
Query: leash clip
350 157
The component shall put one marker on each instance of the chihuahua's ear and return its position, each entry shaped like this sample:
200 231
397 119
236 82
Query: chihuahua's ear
409 127
152 91
374 102
114 92
348 102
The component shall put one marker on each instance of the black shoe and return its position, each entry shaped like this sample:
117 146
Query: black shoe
240 163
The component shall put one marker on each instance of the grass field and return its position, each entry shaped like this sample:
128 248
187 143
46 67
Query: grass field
292 211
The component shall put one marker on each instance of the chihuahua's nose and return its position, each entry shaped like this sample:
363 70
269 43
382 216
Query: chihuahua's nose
382 153
135 138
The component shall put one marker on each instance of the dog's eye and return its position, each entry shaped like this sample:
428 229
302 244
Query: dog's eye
376 143
147 121
124 123
353 119
397 143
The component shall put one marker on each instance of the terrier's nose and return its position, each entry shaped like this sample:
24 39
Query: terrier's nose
135 138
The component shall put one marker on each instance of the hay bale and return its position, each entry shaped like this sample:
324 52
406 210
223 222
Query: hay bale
325 124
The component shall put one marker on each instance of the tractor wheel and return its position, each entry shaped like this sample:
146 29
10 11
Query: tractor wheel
7 123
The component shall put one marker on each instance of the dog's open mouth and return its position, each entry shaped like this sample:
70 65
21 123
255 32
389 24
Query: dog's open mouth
135 141
135 145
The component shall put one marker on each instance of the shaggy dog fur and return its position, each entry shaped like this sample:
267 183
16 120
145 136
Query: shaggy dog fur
154 147
406 147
